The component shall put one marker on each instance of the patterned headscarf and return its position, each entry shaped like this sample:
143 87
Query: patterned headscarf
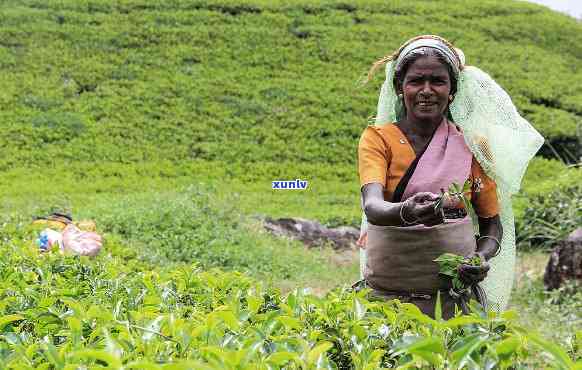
434 42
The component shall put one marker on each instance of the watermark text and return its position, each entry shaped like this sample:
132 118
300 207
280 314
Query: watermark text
296 184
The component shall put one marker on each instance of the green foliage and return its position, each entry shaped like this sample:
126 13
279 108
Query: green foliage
544 176
457 193
189 225
250 81
550 217
114 310
114 105
554 313
193 226
449 266
331 197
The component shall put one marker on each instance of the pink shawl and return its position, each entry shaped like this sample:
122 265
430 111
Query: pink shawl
446 160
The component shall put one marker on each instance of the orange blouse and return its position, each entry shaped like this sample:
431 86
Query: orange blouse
384 155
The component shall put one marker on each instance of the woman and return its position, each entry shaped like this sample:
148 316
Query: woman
439 122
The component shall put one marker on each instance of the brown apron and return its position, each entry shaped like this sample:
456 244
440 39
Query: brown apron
400 262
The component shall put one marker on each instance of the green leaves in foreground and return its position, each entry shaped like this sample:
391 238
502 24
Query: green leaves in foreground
59 312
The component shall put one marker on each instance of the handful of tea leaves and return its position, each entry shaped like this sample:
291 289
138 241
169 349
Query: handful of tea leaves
449 266
457 192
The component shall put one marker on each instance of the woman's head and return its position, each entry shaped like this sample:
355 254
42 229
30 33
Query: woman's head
403 65
426 84
430 60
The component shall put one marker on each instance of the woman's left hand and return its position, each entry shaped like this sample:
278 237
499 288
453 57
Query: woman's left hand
471 275
362 240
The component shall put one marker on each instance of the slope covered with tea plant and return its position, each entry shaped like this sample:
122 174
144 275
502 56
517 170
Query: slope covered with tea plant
113 109
251 82
241 93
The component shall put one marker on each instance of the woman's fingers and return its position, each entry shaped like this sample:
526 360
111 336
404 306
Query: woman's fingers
473 270
361 242
473 274
424 197
422 208
428 216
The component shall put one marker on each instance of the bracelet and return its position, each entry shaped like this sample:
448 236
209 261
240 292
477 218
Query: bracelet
406 223
495 240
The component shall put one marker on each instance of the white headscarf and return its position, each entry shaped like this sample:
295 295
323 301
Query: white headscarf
500 139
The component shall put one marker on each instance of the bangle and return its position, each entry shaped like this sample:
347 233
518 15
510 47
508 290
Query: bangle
495 240
406 223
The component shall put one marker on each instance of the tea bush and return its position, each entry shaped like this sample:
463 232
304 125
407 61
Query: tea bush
544 176
66 312
550 217
187 225
251 81
193 226
250 91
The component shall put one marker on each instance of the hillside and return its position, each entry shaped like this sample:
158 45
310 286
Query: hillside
251 81
166 121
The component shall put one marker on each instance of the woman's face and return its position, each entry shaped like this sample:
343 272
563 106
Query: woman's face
426 88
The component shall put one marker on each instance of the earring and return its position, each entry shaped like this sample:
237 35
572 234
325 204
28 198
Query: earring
400 96
451 98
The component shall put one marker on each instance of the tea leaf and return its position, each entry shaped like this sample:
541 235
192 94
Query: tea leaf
281 358
7 319
507 346
104 356
318 351
467 346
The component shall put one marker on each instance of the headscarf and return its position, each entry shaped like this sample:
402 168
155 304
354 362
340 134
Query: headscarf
450 53
500 139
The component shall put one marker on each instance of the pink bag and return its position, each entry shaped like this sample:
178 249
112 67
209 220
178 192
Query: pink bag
84 243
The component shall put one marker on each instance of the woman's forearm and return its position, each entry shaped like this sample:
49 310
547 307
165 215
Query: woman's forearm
377 210
418 209
382 213
490 235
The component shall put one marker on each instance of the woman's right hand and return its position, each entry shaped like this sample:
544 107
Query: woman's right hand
421 208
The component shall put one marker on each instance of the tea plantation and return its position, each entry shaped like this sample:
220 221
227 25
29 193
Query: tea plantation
166 121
